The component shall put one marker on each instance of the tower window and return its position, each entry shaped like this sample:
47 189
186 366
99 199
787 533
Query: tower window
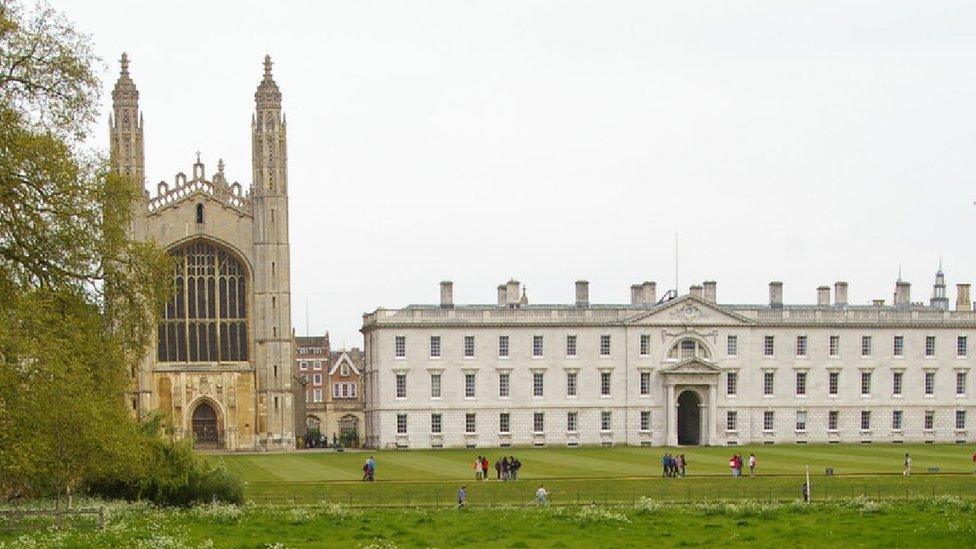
199 213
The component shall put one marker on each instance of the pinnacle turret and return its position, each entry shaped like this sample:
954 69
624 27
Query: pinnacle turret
268 96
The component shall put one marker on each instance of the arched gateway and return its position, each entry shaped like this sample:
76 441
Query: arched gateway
689 418
691 414
205 434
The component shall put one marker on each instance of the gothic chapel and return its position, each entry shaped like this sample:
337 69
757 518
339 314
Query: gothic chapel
219 366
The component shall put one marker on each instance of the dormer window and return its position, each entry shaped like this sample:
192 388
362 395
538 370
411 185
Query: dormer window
688 348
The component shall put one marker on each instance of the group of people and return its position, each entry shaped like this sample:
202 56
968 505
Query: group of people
319 440
736 462
506 468
674 466
369 469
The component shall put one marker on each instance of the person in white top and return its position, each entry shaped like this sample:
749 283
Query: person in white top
908 465
752 465
542 496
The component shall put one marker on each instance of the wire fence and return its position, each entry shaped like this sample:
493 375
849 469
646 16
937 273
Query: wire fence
675 491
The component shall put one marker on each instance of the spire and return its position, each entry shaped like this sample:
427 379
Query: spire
125 127
939 298
125 93
268 96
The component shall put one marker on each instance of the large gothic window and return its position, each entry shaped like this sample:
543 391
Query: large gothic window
206 318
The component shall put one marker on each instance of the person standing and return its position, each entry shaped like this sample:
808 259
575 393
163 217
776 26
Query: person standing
485 467
505 466
974 463
477 468
682 463
908 465
732 464
462 497
542 496
498 469
372 468
752 465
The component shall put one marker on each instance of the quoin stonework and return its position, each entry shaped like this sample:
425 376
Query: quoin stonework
678 370
219 367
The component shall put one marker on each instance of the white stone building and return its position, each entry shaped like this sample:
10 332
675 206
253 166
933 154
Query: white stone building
682 370
219 366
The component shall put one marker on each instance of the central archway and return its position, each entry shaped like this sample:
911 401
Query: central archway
205 426
689 418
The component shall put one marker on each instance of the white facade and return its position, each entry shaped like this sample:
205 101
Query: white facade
636 383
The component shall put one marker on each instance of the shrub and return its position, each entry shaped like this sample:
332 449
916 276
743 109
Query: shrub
171 474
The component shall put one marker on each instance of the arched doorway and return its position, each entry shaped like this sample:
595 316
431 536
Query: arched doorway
349 430
205 433
689 418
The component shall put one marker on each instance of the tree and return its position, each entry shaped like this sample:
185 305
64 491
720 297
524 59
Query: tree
78 299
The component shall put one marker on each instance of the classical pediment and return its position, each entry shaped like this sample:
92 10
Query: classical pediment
689 310
692 366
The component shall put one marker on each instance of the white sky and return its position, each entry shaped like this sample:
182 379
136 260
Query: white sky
548 141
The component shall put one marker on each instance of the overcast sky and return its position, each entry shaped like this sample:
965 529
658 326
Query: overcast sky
806 142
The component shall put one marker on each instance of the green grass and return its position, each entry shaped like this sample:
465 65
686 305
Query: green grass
945 522
607 475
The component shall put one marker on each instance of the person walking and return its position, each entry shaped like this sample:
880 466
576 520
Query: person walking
372 468
908 465
505 467
485 467
477 468
664 465
542 496
498 469
365 470
462 497
752 465
682 463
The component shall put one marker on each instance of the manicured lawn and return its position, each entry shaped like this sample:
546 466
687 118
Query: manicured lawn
608 475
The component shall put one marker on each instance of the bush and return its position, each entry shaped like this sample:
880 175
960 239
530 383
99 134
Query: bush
171 474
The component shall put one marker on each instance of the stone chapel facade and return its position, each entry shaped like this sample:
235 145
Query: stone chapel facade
219 367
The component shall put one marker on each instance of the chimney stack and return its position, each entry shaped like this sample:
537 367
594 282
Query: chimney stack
697 291
512 293
502 295
776 295
823 296
711 294
903 294
636 294
963 302
447 294
840 294
582 293
650 292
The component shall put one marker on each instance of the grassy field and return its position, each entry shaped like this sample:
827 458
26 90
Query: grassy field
941 522
605 475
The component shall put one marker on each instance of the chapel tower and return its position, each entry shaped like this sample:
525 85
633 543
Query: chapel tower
126 146
272 277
